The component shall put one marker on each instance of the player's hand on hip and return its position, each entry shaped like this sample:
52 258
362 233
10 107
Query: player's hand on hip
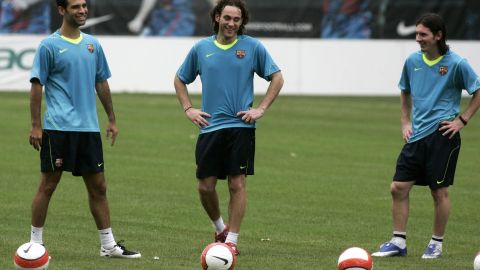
35 137
451 127
198 117
251 115
112 132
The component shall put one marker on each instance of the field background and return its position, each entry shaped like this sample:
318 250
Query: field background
323 170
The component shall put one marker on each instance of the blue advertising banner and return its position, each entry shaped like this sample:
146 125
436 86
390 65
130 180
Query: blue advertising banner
351 19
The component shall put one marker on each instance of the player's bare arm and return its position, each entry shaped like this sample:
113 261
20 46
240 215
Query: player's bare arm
406 110
454 126
103 92
198 117
276 84
35 137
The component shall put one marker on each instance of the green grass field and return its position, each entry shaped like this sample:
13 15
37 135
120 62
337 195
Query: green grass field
323 170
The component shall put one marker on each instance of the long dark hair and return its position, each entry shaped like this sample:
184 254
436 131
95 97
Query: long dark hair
217 10
436 24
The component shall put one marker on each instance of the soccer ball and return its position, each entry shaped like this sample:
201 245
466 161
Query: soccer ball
476 262
218 256
31 256
355 258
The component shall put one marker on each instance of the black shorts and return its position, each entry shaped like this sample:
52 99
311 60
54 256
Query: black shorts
77 152
225 152
430 161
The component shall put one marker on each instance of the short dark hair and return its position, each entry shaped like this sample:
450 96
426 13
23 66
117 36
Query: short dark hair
62 3
436 24
217 10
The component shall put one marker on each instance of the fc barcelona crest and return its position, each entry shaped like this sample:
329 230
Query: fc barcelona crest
240 54
90 48
443 70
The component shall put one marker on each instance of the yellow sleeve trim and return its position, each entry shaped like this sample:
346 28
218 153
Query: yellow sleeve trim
74 41
431 62
225 47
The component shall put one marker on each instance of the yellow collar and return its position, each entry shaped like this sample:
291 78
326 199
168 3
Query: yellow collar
71 40
431 62
227 46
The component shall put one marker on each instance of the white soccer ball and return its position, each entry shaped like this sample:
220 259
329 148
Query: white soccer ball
476 262
218 256
31 256
355 258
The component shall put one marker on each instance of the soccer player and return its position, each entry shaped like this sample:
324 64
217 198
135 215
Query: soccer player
71 65
431 85
226 63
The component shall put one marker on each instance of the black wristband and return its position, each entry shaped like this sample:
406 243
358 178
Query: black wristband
187 108
463 120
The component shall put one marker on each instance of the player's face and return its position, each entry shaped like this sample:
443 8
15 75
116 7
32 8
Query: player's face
76 12
426 39
229 21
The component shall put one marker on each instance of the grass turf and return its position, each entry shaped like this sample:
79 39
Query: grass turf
321 185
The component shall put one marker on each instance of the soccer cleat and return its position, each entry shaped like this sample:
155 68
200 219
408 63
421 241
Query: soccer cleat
233 247
119 251
433 251
389 249
221 237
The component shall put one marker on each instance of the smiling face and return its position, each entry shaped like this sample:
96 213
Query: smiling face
229 21
75 14
427 40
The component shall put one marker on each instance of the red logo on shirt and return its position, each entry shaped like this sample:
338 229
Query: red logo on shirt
90 48
443 70
240 54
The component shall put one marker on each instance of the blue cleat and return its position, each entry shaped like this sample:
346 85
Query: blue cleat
433 251
389 249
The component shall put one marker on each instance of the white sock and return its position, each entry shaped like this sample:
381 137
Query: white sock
219 225
106 238
232 238
438 240
399 241
36 235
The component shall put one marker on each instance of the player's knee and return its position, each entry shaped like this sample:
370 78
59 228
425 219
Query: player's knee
205 188
440 195
399 191
48 189
98 192
236 186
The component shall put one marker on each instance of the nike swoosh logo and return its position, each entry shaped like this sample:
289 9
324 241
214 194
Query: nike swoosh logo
210 54
440 181
417 69
100 164
242 167
105 233
97 20
404 30
28 249
62 50
222 259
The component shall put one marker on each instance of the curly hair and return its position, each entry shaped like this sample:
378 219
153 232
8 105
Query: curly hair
218 8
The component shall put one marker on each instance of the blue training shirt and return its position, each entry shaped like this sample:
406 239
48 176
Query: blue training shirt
436 89
227 78
69 70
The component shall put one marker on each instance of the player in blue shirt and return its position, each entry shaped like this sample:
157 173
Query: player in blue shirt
226 63
72 67
431 86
